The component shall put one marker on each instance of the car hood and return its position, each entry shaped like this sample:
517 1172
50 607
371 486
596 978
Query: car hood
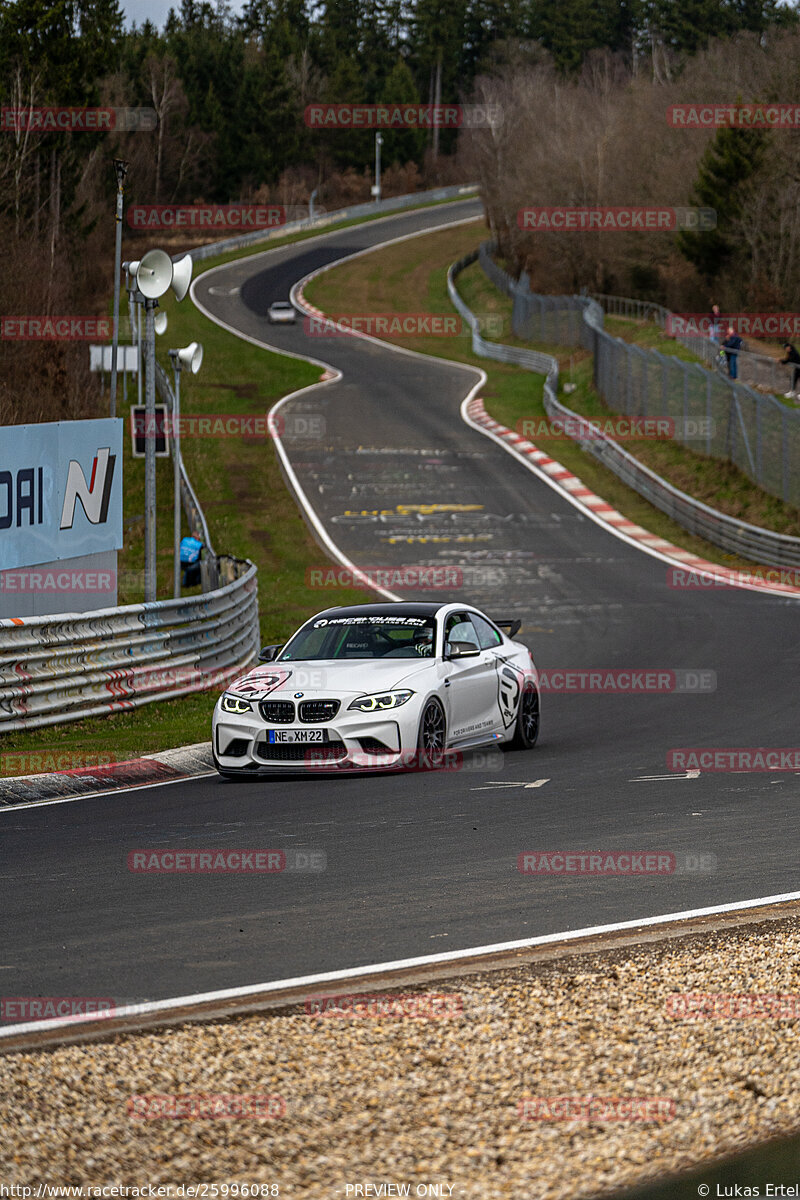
328 677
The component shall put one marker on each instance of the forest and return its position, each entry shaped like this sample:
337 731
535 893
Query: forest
583 86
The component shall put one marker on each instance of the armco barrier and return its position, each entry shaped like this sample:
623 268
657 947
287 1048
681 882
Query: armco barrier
756 432
748 541
55 669
393 204
63 668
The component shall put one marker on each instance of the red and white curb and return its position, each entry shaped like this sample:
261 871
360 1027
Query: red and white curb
56 786
561 479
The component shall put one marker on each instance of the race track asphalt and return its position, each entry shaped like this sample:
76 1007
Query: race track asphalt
427 863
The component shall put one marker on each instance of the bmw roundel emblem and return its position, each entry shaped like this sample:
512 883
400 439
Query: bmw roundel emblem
298 695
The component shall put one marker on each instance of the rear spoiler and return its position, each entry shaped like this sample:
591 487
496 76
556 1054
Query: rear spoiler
513 627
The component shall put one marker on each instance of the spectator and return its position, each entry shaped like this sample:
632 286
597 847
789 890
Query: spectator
191 553
732 345
715 329
792 357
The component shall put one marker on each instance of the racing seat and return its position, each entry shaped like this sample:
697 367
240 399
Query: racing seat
362 643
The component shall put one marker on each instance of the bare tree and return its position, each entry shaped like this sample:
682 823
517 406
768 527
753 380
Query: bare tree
167 95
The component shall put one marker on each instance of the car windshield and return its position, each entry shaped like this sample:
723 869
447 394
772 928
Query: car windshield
379 635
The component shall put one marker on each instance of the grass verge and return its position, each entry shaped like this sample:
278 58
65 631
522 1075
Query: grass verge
715 482
411 276
250 512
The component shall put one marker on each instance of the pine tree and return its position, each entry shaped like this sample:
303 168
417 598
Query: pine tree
730 159
402 145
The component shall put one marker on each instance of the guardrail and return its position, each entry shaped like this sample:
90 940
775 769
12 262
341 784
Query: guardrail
74 665
737 537
718 416
756 370
55 669
393 204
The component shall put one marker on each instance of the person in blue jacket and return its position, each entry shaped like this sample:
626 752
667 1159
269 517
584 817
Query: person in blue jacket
732 345
191 553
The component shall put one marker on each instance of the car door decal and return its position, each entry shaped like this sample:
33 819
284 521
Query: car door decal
509 690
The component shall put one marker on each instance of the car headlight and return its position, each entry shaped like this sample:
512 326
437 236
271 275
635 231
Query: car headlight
235 704
380 701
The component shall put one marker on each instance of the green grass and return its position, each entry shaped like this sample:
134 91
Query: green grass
412 276
717 483
648 336
250 513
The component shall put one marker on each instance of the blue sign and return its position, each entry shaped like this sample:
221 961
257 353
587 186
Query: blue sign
60 490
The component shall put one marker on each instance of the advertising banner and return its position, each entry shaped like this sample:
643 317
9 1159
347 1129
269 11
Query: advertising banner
60 491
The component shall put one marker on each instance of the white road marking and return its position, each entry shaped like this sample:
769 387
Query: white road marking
678 775
497 783
403 964
585 508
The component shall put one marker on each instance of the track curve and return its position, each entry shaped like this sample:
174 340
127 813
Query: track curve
424 864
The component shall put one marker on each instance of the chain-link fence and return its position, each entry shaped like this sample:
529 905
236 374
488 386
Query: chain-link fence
737 537
709 413
759 371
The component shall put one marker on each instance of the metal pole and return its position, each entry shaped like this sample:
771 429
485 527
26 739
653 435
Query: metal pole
121 169
176 464
378 144
139 349
150 585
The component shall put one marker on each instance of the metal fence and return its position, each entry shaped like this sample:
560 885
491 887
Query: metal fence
355 211
554 314
759 371
710 413
63 668
532 360
55 669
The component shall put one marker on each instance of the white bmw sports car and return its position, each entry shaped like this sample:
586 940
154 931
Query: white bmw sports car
379 686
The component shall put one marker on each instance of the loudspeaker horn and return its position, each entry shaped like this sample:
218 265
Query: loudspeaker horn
191 357
161 322
182 276
154 274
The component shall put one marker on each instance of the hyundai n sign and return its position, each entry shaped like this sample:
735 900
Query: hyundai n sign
60 491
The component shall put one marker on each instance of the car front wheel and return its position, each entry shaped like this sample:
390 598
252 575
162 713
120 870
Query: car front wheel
431 737
526 729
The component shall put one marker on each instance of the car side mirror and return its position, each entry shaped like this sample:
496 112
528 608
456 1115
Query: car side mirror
269 653
461 650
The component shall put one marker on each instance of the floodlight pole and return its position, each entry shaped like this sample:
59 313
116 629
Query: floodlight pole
121 169
176 466
150 583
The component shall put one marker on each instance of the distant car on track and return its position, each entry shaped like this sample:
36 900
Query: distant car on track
379 686
281 312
